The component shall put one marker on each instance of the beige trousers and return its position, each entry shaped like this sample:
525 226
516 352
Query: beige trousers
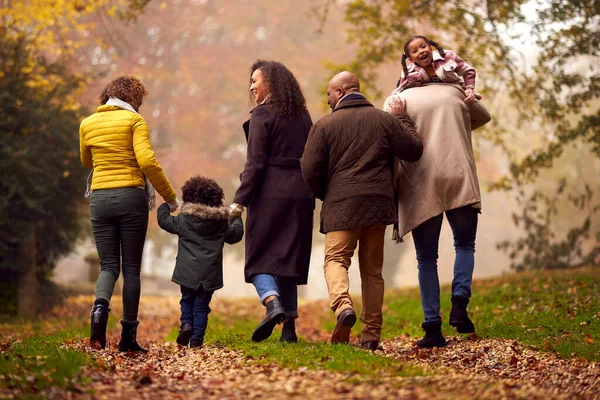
339 249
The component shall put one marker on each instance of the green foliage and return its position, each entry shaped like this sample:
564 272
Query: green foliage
41 177
40 363
541 248
557 99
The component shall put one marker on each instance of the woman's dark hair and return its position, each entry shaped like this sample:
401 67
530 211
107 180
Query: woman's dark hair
282 88
201 190
405 55
127 88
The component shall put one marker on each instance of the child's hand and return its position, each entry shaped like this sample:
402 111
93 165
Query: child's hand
173 205
470 98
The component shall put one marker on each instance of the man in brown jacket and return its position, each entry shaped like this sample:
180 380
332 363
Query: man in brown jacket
348 163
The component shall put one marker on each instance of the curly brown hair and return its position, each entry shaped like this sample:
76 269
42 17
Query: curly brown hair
201 190
282 87
127 88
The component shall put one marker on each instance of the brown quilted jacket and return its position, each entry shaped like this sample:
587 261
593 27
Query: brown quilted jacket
348 163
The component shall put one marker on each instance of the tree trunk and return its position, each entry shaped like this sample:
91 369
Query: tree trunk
27 285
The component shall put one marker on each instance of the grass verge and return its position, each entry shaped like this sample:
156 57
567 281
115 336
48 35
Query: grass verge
557 311
30 366
358 363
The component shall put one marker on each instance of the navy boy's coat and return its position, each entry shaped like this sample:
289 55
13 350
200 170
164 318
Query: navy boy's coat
202 231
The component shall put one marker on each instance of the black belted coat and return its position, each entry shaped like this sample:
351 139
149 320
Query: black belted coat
280 204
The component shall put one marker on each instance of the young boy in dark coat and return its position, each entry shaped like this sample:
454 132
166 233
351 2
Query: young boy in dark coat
203 228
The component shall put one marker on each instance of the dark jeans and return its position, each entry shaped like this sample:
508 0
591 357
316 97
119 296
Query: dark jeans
119 222
426 236
195 309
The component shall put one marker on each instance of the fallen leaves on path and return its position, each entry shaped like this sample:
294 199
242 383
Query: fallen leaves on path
465 369
507 360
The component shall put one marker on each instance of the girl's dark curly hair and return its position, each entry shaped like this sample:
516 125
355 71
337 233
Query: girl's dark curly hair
405 55
201 190
282 88
127 88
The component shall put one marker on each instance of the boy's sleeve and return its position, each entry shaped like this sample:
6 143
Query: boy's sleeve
235 231
165 220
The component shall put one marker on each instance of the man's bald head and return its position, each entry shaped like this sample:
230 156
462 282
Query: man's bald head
340 85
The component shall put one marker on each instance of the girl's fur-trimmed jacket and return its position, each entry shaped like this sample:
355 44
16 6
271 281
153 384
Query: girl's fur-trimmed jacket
202 232
448 69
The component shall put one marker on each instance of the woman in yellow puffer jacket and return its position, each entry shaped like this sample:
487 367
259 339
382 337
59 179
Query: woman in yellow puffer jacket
115 142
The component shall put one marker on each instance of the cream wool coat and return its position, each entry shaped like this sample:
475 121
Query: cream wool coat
115 142
445 177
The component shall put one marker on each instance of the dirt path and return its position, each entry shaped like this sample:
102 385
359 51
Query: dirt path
466 368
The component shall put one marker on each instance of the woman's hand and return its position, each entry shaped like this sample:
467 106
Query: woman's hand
397 106
235 210
470 98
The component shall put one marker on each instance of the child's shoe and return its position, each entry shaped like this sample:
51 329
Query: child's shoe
185 333
195 344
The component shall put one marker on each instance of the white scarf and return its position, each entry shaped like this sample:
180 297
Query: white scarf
114 101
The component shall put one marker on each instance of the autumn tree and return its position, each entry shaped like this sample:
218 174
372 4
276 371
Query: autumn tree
555 99
42 180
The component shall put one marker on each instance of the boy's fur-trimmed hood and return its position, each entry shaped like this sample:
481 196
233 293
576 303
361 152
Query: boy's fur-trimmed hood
204 211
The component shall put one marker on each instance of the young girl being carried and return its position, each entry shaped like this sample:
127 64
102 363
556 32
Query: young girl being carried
441 66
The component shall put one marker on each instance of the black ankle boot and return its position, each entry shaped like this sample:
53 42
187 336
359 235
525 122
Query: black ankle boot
274 316
128 337
185 333
459 317
288 332
433 335
99 318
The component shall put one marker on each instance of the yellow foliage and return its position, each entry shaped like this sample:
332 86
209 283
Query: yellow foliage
55 26
55 29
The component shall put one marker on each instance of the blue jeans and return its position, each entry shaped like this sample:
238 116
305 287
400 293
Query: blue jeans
195 309
463 222
283 287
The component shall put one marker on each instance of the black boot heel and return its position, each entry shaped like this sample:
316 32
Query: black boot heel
99 319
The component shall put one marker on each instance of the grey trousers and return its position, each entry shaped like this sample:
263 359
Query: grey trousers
119 223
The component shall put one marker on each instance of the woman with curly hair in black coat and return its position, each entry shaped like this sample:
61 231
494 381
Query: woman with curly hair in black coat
280 204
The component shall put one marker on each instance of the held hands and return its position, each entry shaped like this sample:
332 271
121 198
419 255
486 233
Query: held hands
397 106
235 210
173 205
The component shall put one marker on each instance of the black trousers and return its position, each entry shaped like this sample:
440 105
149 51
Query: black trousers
119 223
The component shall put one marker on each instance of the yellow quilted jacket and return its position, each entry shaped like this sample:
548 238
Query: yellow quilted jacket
116 143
